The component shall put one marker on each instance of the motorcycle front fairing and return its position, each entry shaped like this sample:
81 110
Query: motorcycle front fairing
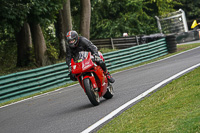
82 66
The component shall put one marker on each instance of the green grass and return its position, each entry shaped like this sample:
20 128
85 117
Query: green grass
181 48
106 50
174 108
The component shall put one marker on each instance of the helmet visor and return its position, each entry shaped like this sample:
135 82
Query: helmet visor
72 41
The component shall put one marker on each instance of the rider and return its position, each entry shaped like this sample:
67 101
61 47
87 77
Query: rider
78 43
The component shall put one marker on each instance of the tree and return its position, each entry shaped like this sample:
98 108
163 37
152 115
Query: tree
85 18
13 14
42 13
40 47
111 18
63 25
24 46
163 6
67 16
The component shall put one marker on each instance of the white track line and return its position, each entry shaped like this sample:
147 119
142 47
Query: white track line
115 112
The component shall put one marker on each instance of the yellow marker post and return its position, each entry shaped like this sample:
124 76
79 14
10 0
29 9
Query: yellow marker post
194 24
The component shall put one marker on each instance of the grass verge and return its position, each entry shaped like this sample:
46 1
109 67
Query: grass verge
181 48
174 108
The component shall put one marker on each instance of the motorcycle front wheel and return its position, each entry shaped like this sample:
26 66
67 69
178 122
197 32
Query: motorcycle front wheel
92 94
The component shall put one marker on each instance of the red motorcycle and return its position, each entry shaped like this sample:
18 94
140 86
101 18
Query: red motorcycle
91 77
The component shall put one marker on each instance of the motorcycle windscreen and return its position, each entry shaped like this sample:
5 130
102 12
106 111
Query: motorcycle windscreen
82 63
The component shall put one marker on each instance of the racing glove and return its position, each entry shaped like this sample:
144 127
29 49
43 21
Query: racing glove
72 77
96 58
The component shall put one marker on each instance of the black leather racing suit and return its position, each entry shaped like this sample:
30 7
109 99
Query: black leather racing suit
83 45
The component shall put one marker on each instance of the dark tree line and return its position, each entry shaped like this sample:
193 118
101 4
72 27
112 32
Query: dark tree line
27 20
36 29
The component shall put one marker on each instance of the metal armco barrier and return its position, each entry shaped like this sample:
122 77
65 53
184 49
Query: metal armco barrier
126 42
29 82
135 55
188 36
118 43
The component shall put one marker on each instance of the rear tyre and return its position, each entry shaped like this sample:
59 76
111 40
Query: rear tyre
110 92
92 94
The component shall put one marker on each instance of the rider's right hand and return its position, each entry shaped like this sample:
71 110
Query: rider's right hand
72 77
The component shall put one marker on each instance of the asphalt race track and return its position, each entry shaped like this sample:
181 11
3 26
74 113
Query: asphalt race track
69 110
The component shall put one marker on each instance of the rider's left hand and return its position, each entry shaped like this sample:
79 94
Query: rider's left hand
97 58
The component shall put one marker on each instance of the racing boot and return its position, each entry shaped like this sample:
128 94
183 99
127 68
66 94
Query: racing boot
109 77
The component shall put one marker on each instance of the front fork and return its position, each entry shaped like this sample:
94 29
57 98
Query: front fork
92 79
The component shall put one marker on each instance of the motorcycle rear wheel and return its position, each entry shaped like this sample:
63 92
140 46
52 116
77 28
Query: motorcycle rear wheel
109 94
92 94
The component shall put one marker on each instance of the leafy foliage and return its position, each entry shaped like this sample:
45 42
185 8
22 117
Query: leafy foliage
44 11
51 42
191 8
110 18
13 14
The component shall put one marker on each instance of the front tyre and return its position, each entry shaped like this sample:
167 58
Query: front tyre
92 94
